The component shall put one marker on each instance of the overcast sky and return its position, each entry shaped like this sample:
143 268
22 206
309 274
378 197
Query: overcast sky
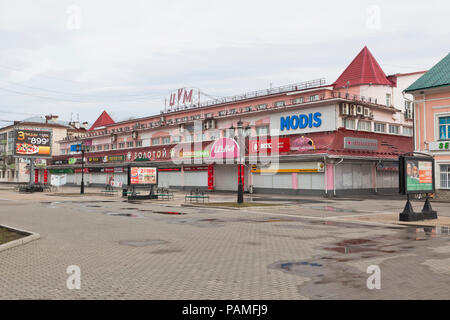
83 57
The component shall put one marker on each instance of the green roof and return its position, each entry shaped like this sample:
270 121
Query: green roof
437 76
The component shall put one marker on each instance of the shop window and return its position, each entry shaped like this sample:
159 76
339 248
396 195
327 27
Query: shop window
407 131
364 125
444 128
155 141
445 176
379 127
349 124
166 140
394 129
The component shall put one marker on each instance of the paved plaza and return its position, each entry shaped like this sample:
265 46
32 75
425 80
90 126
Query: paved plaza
302 248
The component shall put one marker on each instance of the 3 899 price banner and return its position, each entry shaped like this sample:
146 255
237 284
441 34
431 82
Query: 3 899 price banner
32 143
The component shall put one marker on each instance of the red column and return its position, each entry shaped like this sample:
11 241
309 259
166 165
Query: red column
241 171
36 176
210 177
45 176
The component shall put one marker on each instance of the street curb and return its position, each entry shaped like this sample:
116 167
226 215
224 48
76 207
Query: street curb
31 237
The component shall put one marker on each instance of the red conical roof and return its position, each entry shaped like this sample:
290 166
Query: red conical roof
364 69
101 121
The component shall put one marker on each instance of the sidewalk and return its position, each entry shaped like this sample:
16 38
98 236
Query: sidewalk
369 209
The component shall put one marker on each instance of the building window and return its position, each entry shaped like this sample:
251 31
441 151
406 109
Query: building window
232 111
130 144
155 141
349 124
121 145
261 106
444 128
200 137
298 100
364 125
247 109
166 140
176 139
388 99
106 147
262 131
188 138
379 127
99 147
407 131
394 129
279 104
221 113
314 97
445 176
139 143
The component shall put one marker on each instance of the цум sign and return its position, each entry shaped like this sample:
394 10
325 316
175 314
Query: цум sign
416 175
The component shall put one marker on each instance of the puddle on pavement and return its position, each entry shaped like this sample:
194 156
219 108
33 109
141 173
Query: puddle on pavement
303 268
119 214
170 212
329 208
164 251
142 243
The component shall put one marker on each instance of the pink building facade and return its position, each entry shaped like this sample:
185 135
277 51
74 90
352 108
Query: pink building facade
304 138
432 121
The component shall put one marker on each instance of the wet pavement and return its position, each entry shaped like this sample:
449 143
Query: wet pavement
155 250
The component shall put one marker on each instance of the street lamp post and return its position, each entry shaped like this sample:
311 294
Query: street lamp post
83 148
241 133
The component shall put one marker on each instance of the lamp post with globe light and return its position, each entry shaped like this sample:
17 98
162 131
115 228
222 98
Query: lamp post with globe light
83 148
241 134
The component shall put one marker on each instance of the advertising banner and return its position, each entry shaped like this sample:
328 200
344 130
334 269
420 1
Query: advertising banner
143 175
32 143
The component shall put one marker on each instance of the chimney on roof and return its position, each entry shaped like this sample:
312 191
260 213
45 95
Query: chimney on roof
50 117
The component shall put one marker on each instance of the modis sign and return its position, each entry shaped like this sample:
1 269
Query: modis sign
301 121
306 120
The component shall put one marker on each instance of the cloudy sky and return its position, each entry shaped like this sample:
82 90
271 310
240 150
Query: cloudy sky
82 57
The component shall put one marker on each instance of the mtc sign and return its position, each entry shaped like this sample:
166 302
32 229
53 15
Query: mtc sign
305 120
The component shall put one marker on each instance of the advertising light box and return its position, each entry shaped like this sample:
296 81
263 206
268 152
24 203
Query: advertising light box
417 175
32 143
143 175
